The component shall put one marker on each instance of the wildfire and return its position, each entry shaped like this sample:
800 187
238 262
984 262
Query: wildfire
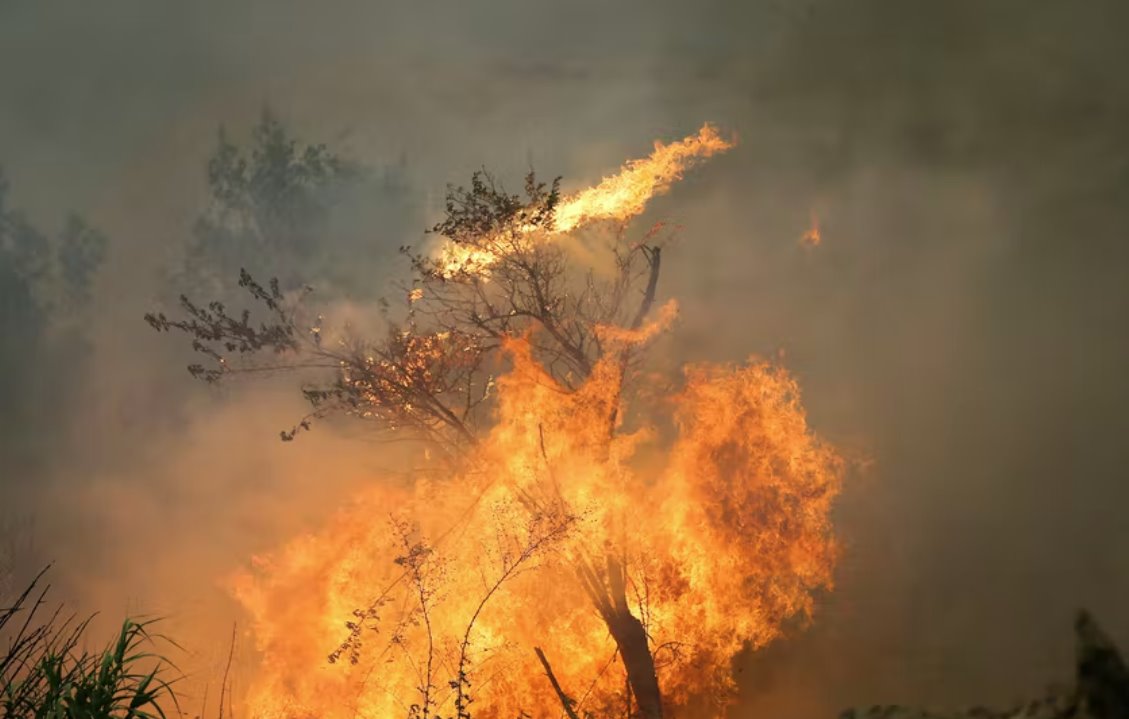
618 197
712 513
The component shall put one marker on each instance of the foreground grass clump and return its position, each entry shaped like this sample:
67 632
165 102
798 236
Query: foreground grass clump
44 674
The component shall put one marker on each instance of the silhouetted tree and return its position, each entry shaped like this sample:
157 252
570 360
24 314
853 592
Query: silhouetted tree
80 253
290 209
45 287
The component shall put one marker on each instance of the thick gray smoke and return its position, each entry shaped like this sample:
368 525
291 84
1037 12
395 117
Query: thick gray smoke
962 324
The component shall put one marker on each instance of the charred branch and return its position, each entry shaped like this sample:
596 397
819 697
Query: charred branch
567 702
654 260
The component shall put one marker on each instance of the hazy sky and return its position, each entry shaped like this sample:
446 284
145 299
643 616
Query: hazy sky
963 324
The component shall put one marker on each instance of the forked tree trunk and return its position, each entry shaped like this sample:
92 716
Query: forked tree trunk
609 593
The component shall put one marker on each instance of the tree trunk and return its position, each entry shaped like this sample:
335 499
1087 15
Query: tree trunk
609 592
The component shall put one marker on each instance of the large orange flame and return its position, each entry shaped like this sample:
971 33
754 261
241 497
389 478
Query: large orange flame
716 502
724 543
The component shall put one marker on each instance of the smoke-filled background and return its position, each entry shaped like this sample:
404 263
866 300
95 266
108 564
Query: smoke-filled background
962 325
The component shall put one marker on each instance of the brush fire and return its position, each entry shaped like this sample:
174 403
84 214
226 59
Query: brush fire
592 533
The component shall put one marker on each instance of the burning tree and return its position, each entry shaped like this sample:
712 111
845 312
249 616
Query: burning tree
622 532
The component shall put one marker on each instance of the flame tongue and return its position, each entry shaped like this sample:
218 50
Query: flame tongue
619 198
625 195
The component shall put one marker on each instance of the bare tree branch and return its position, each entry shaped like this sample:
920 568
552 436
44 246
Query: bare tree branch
566 700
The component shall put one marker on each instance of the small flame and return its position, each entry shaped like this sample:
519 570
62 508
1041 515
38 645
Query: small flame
814 236
666 316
